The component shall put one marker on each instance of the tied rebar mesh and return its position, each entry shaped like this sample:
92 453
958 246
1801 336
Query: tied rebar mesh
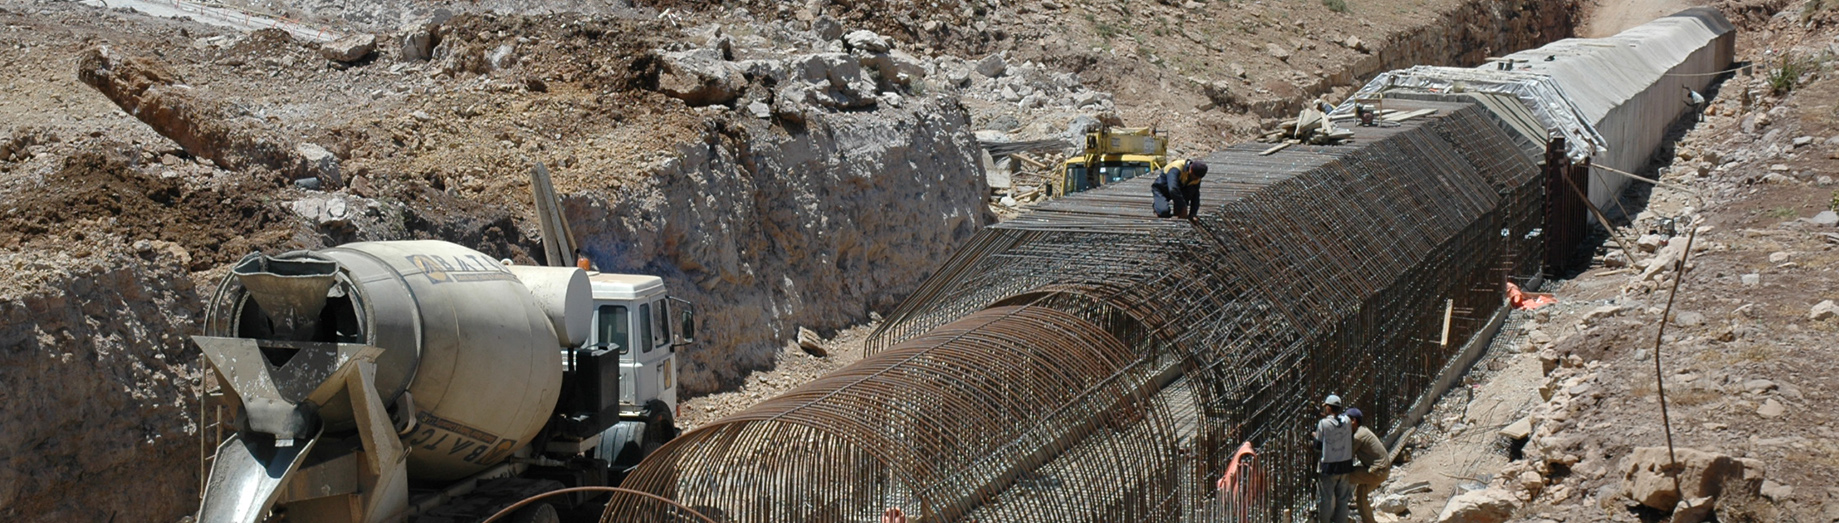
1090 362
1009 413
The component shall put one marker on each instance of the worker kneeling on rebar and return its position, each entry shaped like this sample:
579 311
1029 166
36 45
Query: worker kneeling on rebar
1177 189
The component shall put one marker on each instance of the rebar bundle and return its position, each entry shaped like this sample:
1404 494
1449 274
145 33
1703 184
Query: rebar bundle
1090 362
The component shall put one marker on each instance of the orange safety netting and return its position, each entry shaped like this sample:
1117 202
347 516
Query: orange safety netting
1527 301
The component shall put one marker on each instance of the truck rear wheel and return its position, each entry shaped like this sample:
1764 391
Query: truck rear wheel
538 513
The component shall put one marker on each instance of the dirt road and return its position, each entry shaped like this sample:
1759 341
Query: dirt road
237 19
1607 17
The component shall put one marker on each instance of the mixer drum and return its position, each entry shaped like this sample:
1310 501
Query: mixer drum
459 332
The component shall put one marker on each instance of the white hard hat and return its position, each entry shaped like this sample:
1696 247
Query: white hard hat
1332 401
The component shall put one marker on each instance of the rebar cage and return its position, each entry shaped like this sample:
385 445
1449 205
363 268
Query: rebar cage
1090 362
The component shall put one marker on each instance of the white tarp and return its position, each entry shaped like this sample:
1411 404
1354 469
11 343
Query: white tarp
1617 94
1633 85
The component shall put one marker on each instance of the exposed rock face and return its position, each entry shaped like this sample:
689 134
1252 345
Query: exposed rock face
1464 36
827 28
766 230
320 163
94 384
895 68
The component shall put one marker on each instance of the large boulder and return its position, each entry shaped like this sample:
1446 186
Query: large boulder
701 77
349 49
827 28
1695 510
1824 310
1394 504
317 162
421 36
992 66
206 127
1091 99
895 68
1701 475
866 41
1489 505
826 80
330 211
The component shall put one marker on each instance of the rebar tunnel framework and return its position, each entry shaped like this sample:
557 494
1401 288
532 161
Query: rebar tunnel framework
1088 361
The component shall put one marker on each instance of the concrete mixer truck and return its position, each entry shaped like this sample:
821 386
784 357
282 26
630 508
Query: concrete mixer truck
391 381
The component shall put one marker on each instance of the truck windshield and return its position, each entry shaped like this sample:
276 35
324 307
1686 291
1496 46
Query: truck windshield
1120 171
613 328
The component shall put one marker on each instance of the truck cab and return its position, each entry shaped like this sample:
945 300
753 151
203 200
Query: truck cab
634 317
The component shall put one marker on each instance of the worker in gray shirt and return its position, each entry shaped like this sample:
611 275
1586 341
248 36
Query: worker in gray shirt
1334 435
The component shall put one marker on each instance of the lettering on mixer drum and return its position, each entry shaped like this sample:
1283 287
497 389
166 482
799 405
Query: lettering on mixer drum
453 438
468 268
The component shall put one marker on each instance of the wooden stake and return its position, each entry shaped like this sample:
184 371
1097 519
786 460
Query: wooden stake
1449 309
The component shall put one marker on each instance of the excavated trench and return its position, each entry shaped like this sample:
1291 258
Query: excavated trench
1466 36
766 228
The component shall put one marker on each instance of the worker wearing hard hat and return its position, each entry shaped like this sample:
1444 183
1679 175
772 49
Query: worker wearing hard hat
1334 435
1177 189
1375 464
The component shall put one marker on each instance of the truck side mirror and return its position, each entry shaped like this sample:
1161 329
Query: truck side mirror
686 321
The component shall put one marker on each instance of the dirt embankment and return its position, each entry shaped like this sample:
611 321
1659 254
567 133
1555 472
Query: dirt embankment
101 424
100 202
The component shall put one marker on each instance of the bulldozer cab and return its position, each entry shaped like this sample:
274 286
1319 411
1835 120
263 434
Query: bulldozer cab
1111 155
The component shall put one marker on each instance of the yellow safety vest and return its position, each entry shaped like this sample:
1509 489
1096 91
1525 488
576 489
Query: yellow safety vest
1186 178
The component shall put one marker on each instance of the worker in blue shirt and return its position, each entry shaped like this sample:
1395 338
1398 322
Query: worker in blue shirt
1177 189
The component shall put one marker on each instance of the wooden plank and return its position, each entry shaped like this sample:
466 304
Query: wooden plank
1409 115
558 238
1275 148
